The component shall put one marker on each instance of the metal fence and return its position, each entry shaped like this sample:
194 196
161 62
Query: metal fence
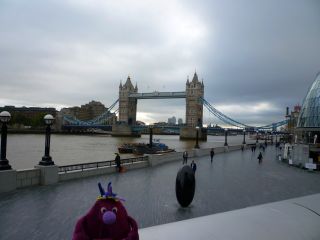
95 165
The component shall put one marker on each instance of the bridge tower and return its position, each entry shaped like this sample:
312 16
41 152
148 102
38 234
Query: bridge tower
127 111
194 110
194 106
127 106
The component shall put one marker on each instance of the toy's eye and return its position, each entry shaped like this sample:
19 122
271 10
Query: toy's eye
103 210
114 210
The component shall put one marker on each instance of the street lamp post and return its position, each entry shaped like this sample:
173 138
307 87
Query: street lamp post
257 137
197 137
244 137
276 138
46 159
4 118
150 136
225 137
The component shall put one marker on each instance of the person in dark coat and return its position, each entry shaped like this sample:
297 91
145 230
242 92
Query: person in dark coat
260 157
211 154
193 166
118 162
185 157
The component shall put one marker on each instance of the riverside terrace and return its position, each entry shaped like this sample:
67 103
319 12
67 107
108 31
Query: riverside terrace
235 180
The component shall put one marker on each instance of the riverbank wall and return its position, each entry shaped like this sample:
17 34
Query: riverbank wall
45 175
157 159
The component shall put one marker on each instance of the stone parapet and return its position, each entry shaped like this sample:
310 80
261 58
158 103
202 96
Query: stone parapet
157 159
28 177
99 171
8 180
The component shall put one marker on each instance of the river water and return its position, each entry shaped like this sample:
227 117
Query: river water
26 150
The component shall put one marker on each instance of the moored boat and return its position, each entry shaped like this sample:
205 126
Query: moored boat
143 148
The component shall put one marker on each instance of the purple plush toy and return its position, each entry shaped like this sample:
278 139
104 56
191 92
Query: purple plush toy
107 219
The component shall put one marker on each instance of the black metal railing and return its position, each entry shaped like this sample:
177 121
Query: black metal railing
96 165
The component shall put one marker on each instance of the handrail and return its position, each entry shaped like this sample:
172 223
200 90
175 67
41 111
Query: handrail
96 165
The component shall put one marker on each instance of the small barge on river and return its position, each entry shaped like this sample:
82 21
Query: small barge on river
142 148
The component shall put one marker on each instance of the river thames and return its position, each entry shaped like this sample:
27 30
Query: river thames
26 150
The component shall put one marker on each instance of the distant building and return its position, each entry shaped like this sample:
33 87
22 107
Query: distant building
172 120
28 116
293 118
89 111
160 124
180 122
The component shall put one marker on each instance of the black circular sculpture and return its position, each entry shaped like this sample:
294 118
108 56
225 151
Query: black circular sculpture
185 186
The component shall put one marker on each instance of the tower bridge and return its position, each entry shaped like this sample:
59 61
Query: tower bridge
127 112
128 99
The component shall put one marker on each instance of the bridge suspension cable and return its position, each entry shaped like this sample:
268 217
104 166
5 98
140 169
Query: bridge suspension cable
224 118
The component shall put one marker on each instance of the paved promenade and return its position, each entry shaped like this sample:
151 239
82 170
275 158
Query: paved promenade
234 180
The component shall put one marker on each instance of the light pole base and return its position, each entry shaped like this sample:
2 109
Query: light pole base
4 165
48 174
46 161
226 144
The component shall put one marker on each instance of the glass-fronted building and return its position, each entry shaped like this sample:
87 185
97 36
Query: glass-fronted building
310 112
307 131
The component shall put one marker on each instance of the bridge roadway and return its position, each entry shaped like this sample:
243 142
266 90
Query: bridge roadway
235 180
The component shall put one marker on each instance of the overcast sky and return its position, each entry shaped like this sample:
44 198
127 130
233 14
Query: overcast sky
255 57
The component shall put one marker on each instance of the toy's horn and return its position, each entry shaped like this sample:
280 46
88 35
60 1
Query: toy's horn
109 188
102 192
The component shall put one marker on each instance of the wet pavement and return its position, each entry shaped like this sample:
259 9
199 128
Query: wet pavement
234 180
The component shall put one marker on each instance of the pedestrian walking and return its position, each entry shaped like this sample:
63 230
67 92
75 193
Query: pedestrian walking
118 162
260 157
211 154
193 166
242 148
185 157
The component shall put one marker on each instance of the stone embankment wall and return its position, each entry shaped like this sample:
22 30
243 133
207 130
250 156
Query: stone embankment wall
157 159
99 171
28 177
49 174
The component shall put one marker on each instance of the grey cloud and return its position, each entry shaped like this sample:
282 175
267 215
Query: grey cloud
65 53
